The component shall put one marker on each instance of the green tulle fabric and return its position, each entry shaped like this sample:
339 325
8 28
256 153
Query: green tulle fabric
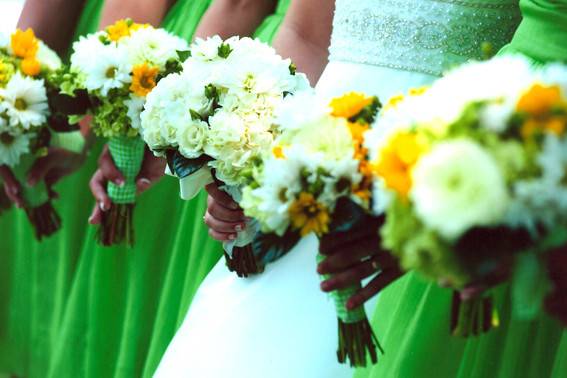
35 278
412 316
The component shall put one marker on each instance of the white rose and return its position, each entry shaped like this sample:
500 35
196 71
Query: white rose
191 139
457 186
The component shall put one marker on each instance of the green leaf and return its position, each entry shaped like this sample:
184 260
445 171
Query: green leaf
182 166
183 55
269 247
224 50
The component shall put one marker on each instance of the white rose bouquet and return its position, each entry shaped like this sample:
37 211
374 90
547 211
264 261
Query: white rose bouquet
317 180
27 119
472 177
214 120
114 70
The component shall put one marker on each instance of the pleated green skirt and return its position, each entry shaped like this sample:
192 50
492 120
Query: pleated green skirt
126 304
35 278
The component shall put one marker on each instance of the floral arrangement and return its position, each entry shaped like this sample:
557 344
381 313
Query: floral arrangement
116 69
317 180
214 119
26 69
471 175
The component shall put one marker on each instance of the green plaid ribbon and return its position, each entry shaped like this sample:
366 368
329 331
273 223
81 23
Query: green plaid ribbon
34 196
127 154
340 297
71 141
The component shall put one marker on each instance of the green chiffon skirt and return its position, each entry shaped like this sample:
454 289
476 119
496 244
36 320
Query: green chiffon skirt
35 278
412 317
126 304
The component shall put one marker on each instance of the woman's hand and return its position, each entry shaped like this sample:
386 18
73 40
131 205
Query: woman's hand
556 301
152 170
354 256
224 217
51 168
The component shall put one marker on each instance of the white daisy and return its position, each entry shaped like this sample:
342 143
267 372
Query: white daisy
153 46
108 69
12 147
25 101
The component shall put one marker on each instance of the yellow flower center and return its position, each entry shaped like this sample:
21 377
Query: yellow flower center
307 215
278 152
397 160
119 30
143 79
110 73
31 66
418 91
20 104
350 104
24 44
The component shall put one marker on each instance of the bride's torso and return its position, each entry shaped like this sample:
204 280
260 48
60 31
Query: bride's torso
385 46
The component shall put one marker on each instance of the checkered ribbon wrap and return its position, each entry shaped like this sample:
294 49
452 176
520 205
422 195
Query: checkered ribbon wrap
340 297
71 141
128 154
34 196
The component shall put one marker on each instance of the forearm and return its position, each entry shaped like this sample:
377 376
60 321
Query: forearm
228 18
53 21
141 11
305 36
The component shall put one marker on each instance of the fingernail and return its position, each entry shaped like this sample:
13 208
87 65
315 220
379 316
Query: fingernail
119 182
90 219
234 205
321 268
325 286
238 228
102 207
232 237
351 305
145 181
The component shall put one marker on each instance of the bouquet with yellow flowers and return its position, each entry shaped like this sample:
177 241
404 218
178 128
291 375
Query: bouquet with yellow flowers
114 70
27 119
471 175
317 181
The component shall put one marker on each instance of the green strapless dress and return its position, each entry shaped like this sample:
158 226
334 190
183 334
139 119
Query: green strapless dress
412 316
126 304
35 278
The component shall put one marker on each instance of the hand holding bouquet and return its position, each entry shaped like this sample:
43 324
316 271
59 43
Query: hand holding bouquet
471 175
317 180
26 69
117 68
214 120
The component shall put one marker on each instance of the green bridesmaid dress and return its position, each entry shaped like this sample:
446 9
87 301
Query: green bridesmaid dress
194 253
412 316
126 304
35 278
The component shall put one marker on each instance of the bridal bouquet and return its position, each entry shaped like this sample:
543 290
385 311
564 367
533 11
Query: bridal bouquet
472 177
26 69
116 69
317 180
214 119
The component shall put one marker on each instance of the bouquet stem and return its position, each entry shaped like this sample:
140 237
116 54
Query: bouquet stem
472 317
243 262
37 204
357 340
5 202
117 223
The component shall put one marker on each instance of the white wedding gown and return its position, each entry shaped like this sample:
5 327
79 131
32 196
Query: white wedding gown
279 324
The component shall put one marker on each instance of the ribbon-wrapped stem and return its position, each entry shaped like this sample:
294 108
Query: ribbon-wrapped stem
37 204
357 340
5 203
117 223
474 316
